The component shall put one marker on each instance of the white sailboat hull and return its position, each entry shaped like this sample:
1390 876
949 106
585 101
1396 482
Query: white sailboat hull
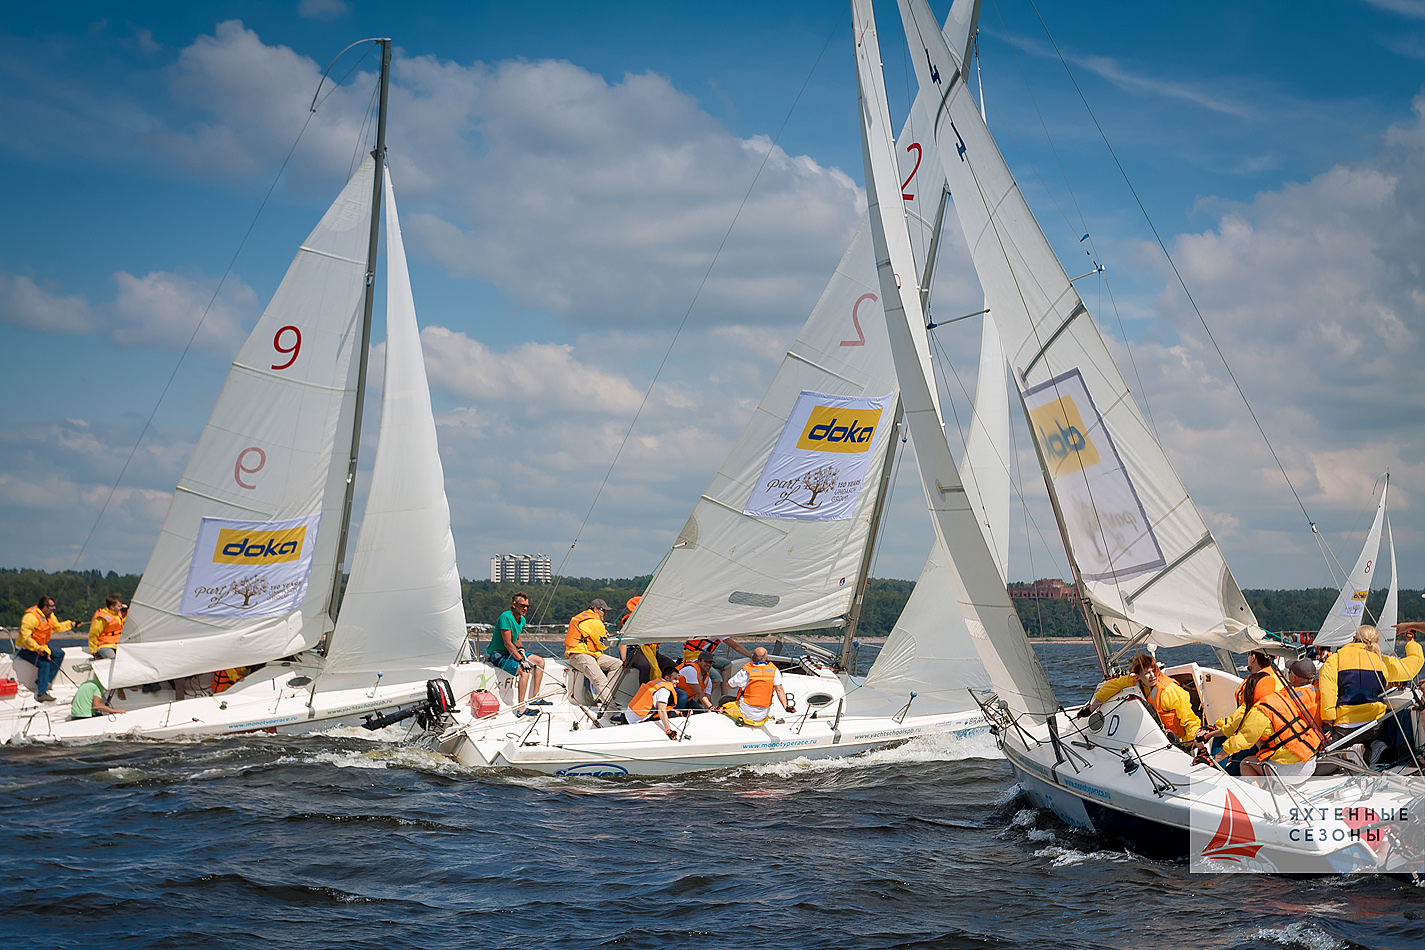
564 740
1168 807
264 701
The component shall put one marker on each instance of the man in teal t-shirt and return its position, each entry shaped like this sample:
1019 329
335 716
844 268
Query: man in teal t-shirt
506 651
88 702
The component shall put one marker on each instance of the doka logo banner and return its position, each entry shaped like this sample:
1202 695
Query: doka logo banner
259 547
832 429
249 568
817 469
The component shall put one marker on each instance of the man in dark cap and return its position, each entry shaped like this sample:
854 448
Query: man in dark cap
584 649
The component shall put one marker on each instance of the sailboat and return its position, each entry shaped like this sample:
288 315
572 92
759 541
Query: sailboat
1143 561
1348 612
781 542
247 569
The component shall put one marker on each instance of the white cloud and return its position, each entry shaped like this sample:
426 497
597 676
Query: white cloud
323 9
158 310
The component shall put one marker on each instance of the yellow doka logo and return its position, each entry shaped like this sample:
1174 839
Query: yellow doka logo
1061 433
236 546
1360 594
839 430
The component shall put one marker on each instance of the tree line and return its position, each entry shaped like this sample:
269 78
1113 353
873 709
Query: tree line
77 594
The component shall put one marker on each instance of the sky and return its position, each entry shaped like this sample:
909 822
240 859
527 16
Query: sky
575 180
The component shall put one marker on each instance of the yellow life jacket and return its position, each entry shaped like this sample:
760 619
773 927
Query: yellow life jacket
578 640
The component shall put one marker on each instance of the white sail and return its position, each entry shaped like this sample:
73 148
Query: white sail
730 573
983 600
275 450
1139 545
985 467
402 607
1390 613
1348 612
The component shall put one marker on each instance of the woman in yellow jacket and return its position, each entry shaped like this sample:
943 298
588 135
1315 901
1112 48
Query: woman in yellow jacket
1354 678
1162 692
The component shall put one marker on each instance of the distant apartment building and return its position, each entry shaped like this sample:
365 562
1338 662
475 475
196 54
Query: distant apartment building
520 569
1049 588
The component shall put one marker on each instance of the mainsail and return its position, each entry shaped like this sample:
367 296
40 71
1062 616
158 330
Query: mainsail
1348 612
732 573
243 568
1142 553
1390 613
983 600
402 607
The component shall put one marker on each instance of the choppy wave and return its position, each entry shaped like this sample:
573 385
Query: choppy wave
1301 934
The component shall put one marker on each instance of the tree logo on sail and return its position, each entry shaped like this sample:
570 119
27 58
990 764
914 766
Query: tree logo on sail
818 467
249 568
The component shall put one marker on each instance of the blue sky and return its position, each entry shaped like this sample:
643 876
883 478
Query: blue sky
566 172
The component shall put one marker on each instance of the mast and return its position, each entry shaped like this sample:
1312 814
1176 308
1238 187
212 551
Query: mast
853 619
377 180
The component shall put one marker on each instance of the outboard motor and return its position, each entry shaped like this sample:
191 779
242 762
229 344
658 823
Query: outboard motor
431 715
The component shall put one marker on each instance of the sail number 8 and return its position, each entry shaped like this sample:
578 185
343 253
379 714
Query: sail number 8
294 349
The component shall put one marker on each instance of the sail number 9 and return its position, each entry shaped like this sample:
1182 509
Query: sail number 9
240 467
294 349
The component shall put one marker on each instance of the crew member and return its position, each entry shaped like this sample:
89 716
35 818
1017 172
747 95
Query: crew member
89 701
756 683
1260 683
1283 729
654 698
722 666
225 679
643 657
584 648
32 645
1163 693
106 626
1354 680
695 682
507 652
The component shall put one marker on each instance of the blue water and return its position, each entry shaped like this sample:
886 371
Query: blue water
341 841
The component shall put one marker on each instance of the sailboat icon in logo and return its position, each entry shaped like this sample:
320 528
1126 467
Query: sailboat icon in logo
1235 838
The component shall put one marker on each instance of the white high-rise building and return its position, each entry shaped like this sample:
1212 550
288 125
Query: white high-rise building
521 569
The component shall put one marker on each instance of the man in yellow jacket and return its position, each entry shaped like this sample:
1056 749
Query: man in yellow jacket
1354 679
36 627
584 648
1283 728
1171 701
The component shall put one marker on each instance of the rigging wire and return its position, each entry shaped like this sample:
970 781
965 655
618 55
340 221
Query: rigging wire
148 423
554 587
1176 273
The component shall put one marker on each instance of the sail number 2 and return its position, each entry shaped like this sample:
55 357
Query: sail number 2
912 147
294 349
856 321
241 466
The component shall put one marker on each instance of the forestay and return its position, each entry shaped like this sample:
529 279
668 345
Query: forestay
402 608
1138 543
1348 612
275 449
983 601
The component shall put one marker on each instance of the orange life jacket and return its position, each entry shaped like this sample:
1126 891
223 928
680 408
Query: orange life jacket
1168 716
691 648
1291 729
760 684
46 628
1266 684
688 687
576 637
113 626
642 703
225 678
632 605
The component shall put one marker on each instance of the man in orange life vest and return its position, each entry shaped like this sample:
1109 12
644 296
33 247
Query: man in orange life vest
654 698
695 682
36 627
584 649
723 667
1283 728
755 683
106 626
